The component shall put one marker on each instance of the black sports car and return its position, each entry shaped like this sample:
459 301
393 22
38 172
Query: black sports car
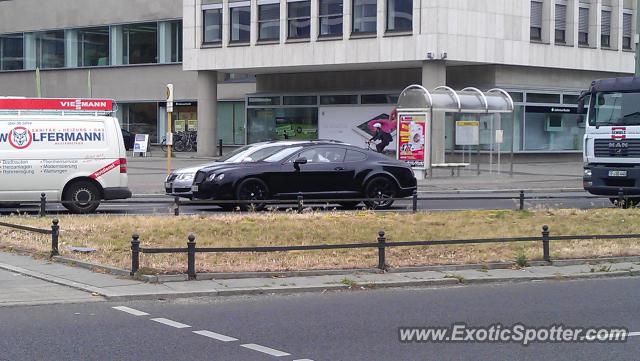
316 169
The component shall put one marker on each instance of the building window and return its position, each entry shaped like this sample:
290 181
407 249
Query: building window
141 118
269 22
536 21
212 26
282 123
399 15
583 26
605 31
240 22
561 24
140 43
299 19
12 52
338 99
627 19
50 49
330 14
93 47
364 16
379 99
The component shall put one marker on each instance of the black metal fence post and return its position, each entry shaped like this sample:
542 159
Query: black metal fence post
300 203
414 205
220 147
621 200
545 243
522 200
191 257
176 206
43 204
135 254
381 251
55 234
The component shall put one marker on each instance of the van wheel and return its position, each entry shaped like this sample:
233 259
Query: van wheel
81 197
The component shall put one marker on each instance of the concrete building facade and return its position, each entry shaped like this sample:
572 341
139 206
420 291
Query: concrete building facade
252 70
325 67
124 50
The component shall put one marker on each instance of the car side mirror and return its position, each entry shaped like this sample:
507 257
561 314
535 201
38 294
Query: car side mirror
580 109
298 161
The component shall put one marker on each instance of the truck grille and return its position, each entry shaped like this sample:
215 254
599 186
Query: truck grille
617 148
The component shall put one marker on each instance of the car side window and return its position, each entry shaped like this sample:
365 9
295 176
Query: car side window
355 156
323 155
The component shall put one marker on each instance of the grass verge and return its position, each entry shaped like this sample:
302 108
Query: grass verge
111 236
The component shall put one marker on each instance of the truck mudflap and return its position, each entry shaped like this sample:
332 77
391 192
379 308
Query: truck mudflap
609 180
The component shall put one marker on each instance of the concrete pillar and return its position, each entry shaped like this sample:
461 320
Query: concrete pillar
71 48
434 74
207 113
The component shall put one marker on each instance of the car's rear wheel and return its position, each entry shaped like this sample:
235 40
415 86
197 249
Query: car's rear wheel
349 205
383 190
81 197
252 189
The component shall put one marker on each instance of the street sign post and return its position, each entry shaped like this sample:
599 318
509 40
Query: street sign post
169 138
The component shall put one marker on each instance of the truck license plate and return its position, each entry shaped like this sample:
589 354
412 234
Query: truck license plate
617 173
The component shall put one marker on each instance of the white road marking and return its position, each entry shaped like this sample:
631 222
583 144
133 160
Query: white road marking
130 310
303 359
215 336
267 350
631 334
169 322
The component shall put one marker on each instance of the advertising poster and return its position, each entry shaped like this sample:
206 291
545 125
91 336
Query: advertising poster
355 125
141 143
192 125
412 135
467 132
180 125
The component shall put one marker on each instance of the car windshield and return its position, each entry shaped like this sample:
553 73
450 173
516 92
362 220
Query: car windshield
231 157
615 108
262 153
282 155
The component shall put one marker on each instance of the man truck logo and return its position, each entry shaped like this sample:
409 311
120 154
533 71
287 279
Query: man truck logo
20 137
618 133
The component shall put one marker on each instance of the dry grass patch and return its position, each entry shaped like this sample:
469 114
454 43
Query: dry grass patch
111 236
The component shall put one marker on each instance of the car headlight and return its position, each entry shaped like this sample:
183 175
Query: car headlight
215 177
587 173
185 176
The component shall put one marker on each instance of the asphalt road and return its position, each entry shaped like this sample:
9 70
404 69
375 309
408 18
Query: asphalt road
348 326
164 205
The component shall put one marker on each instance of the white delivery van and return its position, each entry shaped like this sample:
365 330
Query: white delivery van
69 149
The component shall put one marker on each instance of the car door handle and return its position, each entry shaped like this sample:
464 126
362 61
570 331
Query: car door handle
338 168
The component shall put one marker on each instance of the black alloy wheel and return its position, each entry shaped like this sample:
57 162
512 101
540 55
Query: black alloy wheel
252 189
383 190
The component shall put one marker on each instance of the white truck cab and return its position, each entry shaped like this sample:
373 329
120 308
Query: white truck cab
612 138
71 150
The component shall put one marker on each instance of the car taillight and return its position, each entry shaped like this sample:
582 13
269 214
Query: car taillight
123 165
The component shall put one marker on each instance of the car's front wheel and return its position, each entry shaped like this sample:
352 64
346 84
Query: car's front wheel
252 189
381 191
81 197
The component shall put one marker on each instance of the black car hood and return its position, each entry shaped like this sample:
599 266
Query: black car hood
230 166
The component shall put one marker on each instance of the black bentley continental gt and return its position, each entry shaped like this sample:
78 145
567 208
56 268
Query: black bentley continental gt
315 169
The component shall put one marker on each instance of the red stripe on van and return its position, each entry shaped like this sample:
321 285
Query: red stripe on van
106 169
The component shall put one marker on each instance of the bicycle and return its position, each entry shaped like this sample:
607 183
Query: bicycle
384 151
182 142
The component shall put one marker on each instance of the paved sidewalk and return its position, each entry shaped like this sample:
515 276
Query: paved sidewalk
123 288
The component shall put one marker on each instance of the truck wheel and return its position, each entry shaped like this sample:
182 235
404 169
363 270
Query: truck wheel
81 197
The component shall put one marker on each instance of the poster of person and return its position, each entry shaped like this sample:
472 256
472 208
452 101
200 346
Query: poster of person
412 133
356 125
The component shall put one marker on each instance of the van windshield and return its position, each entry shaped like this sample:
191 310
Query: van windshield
615 108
